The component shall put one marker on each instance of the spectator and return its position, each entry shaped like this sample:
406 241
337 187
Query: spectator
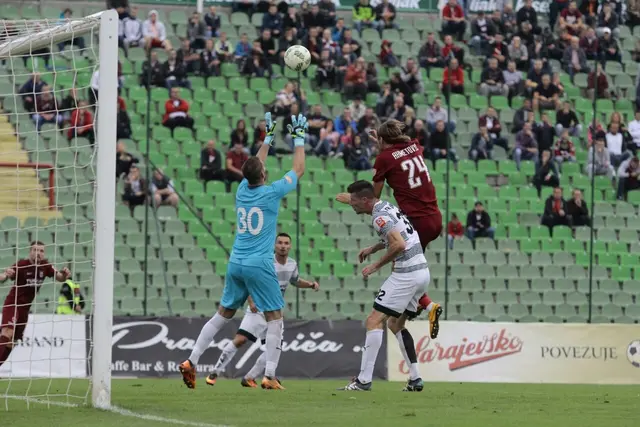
30 91
223 48
526 145
633 13
546 96
372 78
571 20
235 159
357 155
482 33
357 108
209 60
608 20
589 43
314 19
519 54
594 132
387 57
564 150
157 77
243 49
284 99
353 43
452 79
163 190
368 121
493 80
545 134
609 48
364 16
589 9
384 102
78 41
436 113
513 80
342 63
429 55
634 133
123 129
546 174
479 224
506 21
268 46
566 119
196 31
287 40
46 110
188 57
81 123
616 145
337 33
135 189
453 20
240 135
602 84
211 163
273 21
326 71
419 133
176 112
555 211
491 121
578 211
212 20
455 230
521 116
70 103
399 109
329 141
131 31
451 51
125 161
328 10
574 59
499 51
481 146
385 15
534 76
411 75
355 80
344 121
175 72
154 33
440 145
628 174
257 64
528 14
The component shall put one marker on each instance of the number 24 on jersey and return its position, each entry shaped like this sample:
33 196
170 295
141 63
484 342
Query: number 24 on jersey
413 164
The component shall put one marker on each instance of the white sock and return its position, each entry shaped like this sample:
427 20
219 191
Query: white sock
224 359
430 307
274 344
258 368
413 367
209 330
369 354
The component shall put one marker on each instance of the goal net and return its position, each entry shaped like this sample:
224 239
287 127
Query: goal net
58 106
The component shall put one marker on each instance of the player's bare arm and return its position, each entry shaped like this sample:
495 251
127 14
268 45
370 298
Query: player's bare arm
364 253
63 275
307 284
395 248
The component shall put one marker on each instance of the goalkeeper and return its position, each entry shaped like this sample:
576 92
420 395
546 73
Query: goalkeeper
251 271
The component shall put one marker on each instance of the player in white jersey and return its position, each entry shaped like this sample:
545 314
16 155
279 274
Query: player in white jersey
254 324
398 297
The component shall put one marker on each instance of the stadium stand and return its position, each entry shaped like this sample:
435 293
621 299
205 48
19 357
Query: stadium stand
524 275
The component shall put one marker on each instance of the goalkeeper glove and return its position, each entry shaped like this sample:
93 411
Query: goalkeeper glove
271 128
297 129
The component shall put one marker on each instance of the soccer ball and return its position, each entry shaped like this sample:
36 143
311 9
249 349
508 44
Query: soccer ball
297 58
633 353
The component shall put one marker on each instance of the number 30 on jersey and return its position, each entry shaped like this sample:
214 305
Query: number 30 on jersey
246 220
411 165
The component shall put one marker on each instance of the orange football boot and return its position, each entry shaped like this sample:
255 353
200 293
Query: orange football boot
188 372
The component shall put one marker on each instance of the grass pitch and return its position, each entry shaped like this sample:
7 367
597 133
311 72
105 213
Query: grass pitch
317 403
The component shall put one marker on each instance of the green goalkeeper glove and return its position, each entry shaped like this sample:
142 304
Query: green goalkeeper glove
271 128
297 129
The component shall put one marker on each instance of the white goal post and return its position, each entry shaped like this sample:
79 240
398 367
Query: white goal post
27 37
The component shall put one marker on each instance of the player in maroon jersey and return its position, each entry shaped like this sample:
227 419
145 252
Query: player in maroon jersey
28 275
401 164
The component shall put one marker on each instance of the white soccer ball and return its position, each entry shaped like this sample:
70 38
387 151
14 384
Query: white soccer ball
297 58
633 353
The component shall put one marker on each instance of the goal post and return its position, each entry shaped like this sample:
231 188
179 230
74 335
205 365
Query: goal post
35 158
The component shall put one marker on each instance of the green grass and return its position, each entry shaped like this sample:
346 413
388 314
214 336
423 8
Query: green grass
317 403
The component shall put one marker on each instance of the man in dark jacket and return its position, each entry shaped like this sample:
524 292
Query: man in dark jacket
479 224
273 21
555 211
577 209
124 160
211 163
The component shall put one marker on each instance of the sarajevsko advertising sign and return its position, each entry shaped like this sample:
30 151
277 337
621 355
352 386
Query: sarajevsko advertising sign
523 353
53 346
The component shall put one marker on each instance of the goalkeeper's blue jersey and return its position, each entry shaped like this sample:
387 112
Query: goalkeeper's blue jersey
257 219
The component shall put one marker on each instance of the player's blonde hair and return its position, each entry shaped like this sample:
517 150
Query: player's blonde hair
392 132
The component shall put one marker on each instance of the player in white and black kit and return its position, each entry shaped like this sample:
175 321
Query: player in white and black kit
254 324
398 297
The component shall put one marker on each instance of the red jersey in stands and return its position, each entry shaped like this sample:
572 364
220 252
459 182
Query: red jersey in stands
403 167
27 282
